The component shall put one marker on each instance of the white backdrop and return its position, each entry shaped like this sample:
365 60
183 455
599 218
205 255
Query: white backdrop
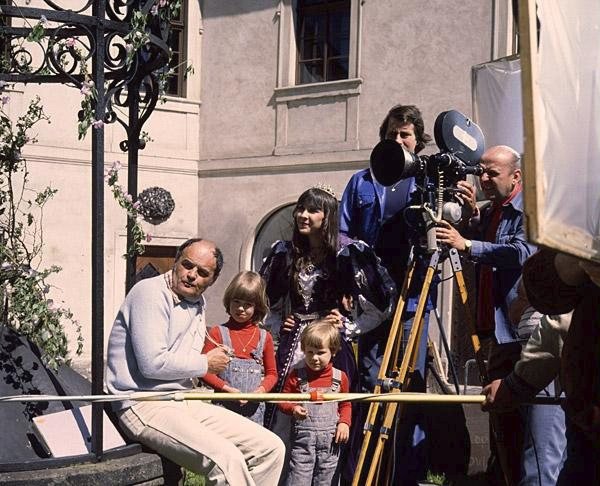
562 180
497 103
567 124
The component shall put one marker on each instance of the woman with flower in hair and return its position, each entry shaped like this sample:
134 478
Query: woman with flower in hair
321 274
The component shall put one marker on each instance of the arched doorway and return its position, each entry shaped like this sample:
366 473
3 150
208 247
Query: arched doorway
277 226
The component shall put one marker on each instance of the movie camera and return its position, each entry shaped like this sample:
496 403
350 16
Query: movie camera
461 143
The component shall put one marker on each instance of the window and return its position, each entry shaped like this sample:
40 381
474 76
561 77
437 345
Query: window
176 82
323 40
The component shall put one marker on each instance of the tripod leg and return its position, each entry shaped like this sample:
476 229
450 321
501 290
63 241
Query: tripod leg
502 452
447 350
464 298
393 410
411 354
408 362
394 337
390 354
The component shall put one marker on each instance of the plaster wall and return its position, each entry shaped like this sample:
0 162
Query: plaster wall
420 53
239 65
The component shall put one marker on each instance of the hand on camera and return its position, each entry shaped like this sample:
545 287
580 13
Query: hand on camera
446 233
468 195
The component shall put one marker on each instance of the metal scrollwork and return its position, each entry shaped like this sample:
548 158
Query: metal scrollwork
71 38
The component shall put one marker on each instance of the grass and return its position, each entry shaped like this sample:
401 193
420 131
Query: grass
193 479
434 478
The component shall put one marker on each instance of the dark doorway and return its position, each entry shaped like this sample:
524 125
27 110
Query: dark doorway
154 261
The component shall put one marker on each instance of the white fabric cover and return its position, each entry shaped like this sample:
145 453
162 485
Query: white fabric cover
569 121
497 102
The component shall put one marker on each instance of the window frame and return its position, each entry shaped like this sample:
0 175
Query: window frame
327 9
180 25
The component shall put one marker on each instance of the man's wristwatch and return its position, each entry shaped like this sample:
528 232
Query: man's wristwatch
468 246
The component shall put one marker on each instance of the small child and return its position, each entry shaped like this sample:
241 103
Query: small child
252 369
319 428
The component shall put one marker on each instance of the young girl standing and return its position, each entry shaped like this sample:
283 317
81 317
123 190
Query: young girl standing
319 428
252 369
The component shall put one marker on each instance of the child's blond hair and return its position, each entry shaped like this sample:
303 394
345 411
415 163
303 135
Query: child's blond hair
321 334
249 287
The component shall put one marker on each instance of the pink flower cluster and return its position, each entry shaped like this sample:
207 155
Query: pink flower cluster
124 198
86 87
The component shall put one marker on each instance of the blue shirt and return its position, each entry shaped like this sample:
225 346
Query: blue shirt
363 205
506 256
363 216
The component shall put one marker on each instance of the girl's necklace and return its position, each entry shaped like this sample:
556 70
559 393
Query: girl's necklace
244 346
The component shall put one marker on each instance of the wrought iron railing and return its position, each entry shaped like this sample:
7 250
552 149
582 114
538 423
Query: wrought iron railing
120 46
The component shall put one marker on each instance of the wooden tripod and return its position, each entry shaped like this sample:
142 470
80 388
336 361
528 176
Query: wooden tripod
399 378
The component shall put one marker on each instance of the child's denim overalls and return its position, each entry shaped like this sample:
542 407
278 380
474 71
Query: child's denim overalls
314 457
246 375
